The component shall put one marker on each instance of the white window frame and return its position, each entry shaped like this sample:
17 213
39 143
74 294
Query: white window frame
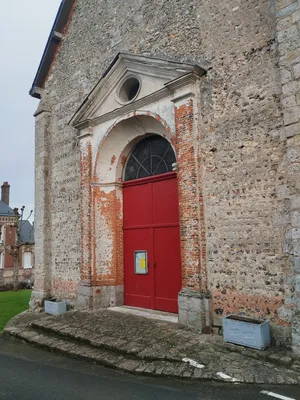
2 236
24 266
2 258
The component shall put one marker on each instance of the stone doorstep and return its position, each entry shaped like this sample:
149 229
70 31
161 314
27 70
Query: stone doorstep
151 314
127 363
66 334
284 357
104 357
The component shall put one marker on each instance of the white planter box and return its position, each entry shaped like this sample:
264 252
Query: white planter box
246 331
55 307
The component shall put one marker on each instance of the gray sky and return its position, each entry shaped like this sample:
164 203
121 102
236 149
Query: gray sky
24 29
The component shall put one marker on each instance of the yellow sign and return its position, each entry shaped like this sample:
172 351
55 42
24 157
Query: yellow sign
142 263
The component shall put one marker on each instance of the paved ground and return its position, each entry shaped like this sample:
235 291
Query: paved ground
143 346
28 373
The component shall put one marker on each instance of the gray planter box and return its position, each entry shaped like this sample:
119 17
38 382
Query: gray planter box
55 307
248 332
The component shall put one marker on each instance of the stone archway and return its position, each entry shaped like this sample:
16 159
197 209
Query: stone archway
102 275
104 150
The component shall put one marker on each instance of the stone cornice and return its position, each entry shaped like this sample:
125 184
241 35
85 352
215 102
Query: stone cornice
182 81
168 90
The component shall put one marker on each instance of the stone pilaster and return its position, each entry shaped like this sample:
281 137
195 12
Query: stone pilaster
194 301
288 37
188 201
107 268
85 290
42 208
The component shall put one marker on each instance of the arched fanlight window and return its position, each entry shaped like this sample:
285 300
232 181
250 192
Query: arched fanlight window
151 156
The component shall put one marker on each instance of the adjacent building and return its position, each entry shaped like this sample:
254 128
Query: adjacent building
8 237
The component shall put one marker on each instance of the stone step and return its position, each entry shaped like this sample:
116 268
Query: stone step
141 346
105 357
70 333
66 332
284 357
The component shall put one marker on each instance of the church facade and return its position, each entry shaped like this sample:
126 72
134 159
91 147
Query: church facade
167 160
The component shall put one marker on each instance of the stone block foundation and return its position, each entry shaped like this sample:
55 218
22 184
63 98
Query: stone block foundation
93 297
37 299
296 333
194 309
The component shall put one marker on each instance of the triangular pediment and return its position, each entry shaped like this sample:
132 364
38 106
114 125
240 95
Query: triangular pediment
129 79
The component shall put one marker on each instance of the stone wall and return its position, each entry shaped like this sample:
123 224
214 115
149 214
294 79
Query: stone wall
241 148
288 36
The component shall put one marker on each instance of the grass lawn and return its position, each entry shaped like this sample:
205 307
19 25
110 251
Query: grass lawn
11 304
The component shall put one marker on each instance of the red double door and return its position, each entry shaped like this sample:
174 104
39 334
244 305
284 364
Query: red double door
152 268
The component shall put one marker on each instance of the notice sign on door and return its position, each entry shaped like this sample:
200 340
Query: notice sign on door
140 262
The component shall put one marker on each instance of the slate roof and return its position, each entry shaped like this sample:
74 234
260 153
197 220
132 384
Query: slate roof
52 45
27 232
5 210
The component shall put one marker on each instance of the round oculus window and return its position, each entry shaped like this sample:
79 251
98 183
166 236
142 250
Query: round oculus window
129 89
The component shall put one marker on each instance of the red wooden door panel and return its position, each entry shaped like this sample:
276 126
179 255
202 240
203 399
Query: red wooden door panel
165 201
137 205
167 268
138 289
151 223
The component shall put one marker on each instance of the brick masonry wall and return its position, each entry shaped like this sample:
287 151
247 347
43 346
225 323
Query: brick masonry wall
239 118
188 185
6 270
10 239
108 261
25 275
